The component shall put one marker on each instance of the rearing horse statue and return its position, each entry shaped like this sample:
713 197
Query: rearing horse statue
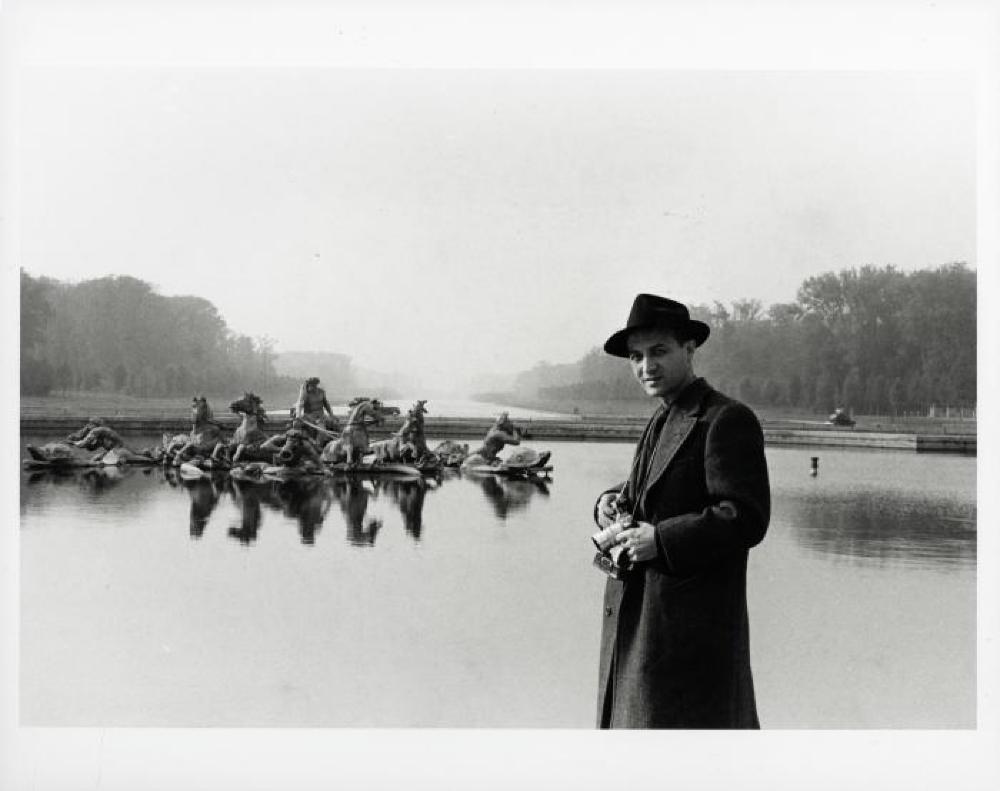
205 432
352 445
248 437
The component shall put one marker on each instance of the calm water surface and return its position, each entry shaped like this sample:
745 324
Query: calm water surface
472 602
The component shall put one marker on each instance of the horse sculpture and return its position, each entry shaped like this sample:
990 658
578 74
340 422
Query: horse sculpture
408 444
249 436
70 452
61 454
416 417
115 451
90 425
352 445
100 437
95 444
205 432
398 447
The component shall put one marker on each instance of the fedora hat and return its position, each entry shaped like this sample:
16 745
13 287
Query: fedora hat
650 311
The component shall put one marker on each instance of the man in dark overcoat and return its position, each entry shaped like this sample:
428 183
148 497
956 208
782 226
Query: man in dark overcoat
675 644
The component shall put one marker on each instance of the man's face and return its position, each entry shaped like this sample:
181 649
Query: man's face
659 362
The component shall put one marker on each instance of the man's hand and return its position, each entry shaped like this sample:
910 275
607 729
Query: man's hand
606 511
639 541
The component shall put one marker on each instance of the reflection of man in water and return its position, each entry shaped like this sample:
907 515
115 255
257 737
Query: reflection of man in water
675 647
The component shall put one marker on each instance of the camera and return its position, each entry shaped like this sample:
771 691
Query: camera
615 563
606 539
611 556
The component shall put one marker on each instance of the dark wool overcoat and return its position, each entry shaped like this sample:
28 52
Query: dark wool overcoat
675 643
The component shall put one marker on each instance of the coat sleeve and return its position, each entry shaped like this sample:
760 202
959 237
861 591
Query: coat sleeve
739 506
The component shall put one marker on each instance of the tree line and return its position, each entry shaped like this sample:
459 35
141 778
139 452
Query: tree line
874 340
117 334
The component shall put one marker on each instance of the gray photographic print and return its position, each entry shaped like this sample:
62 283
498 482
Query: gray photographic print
380 379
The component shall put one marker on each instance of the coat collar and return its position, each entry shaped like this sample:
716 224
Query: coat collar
681 420
691 398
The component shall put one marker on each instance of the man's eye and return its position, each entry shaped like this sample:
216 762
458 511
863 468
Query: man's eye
635 357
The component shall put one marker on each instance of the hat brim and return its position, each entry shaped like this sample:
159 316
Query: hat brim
617 344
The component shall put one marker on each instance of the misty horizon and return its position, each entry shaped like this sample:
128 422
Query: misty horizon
459 226
770 337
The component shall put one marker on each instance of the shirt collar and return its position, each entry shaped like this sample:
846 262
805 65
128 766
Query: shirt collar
688 398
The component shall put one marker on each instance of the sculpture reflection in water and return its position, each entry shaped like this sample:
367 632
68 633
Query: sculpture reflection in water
307 501
205 495
94 481
247 497
508 495
887 528
408 495
353 494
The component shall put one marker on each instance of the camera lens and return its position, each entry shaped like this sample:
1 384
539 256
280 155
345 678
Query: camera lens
604 540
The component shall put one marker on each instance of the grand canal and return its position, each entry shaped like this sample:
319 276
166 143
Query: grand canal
464 602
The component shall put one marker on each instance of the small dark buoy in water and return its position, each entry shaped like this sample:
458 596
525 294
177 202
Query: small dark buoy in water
814 466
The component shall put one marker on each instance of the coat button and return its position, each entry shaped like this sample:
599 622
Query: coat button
609 611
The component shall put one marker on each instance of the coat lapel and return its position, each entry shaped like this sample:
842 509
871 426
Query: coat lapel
676 430
680 423
639 462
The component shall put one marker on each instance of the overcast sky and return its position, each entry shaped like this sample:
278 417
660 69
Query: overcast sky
463 221
428 219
